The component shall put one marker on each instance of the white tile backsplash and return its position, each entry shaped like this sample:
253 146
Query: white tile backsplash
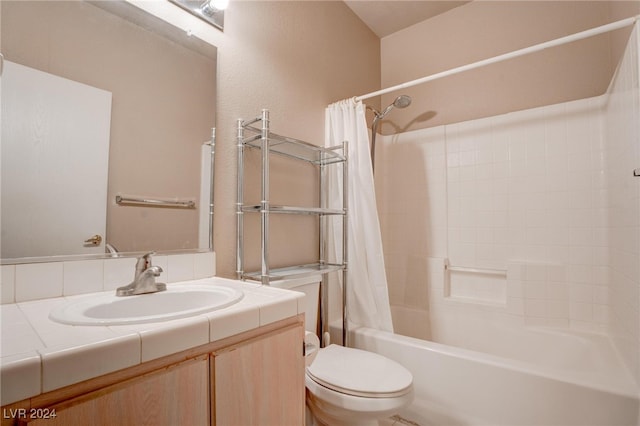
118 272
33 281
83 276
7 283
38 281
204 265
181 267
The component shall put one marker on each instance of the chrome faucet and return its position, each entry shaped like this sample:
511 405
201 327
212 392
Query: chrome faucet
144 280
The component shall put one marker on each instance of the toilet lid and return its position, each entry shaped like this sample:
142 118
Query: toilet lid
361 373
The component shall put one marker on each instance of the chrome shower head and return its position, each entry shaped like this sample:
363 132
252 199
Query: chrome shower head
401 101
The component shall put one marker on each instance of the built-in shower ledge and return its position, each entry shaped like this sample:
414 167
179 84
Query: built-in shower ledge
39 355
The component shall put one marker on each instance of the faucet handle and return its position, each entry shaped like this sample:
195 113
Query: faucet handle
147 258
143 263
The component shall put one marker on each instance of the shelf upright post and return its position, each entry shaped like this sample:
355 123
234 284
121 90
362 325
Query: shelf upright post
323 204
239 202
322 326
264 203
212 144
345 240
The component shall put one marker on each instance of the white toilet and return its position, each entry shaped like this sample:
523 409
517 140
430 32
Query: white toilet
347 386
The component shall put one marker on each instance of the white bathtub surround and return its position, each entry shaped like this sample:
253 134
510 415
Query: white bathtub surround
546 194
622 135
517 189
38 355
33 281
553 380
367 292
526 187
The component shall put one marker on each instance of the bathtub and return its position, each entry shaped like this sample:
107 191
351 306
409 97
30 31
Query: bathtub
542 377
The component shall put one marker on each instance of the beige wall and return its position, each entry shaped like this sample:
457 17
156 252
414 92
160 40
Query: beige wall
483 29
163 108
293 58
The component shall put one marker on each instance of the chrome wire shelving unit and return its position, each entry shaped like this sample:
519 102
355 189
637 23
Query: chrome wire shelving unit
250 136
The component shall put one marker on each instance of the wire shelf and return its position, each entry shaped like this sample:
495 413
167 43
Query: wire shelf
292 272
256 208
294 148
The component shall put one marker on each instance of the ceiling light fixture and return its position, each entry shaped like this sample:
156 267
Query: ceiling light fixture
216 4
210 11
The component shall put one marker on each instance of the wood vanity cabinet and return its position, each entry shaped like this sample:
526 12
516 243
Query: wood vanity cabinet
176 395
254 378
259 382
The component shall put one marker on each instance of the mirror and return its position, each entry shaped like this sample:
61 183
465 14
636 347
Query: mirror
162 85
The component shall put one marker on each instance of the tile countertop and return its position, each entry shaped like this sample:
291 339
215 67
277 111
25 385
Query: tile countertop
39 355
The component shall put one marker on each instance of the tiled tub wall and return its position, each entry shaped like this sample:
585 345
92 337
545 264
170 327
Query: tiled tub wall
546 194
522 188
33 281
622 133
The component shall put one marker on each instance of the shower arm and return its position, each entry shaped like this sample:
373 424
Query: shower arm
374 130
374 127
376 113
402 101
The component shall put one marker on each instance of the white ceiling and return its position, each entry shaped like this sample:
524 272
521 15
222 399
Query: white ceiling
388 16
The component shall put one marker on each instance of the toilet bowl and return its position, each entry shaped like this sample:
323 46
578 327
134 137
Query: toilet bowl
347 386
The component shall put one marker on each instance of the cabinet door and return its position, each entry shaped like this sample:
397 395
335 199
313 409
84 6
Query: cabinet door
261 383
178 395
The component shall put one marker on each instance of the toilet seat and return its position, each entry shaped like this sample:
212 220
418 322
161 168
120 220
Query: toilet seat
359 373
334 404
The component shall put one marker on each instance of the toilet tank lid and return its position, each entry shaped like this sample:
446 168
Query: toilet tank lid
359 372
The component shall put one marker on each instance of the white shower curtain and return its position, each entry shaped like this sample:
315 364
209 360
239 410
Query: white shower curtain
367 294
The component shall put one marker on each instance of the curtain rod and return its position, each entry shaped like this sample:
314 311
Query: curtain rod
562 40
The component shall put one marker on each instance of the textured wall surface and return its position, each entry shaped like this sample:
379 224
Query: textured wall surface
294 59
481 30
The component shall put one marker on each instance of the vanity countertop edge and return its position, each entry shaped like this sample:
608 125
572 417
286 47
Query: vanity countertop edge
39 355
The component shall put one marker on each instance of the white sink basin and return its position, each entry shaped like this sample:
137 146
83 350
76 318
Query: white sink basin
178 301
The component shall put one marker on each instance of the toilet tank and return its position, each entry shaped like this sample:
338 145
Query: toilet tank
310 286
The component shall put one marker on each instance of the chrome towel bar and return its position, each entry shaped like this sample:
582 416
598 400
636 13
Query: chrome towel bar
120 200
486 271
